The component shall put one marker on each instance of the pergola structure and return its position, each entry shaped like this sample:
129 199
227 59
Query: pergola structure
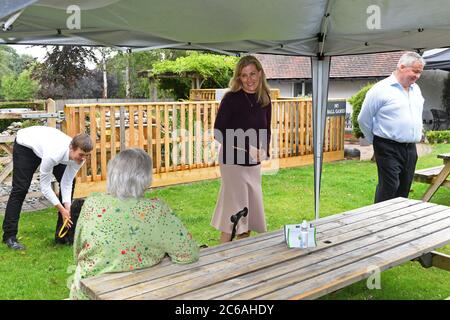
196 79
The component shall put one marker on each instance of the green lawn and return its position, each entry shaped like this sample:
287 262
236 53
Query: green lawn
41 272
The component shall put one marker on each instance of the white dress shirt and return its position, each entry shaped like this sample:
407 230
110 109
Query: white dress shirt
390 112
52 146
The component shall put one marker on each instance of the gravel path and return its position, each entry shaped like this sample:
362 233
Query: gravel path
367 151
34 200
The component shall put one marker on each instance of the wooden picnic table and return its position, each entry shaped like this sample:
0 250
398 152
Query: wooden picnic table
351 246
436 176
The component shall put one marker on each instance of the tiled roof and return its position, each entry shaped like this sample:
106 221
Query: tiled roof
355 66
285 67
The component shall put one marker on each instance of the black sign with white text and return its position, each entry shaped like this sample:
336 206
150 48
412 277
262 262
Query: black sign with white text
336 108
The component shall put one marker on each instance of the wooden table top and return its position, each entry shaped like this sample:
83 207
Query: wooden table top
351 246
445 156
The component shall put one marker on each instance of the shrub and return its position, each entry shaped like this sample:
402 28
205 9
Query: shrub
20 87
438 136
356 101
215 71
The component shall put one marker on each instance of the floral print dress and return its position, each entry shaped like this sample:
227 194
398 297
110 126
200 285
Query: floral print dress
114 235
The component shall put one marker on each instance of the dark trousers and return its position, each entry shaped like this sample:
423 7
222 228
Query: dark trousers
396 163
25 163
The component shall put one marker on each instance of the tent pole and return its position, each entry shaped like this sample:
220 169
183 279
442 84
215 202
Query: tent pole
320 76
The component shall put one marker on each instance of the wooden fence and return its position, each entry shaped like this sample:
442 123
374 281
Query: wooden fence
179 137
210 94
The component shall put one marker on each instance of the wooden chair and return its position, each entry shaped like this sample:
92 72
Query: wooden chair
440 117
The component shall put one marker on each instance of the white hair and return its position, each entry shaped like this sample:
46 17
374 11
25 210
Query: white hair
408 59
129 174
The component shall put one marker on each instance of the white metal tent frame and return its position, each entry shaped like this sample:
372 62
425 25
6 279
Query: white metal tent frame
315 28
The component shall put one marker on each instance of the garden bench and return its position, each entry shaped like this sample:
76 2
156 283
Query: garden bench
351 246
440 117
435 176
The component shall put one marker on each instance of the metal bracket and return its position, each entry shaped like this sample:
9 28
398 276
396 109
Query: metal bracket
14 110
426 260
434 259
28 114
59 115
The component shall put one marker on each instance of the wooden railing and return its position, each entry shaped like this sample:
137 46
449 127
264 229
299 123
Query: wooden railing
179 136
210 94
202 94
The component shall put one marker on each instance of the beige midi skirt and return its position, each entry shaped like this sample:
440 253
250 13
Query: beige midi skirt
241 187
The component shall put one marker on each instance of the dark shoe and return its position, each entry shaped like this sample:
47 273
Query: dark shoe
14 244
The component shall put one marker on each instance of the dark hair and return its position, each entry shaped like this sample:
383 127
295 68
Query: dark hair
82 141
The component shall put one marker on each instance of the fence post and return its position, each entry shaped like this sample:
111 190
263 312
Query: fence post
51 108
122 127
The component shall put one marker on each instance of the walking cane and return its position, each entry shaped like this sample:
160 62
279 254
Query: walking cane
235 219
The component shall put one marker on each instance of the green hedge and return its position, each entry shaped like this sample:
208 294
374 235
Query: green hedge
356 101
438 136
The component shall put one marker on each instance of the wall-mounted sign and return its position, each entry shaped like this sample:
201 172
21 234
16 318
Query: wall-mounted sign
336 108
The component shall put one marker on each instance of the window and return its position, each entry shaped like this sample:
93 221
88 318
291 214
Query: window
303 88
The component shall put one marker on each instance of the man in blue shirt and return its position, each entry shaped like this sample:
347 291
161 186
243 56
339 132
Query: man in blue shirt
391 119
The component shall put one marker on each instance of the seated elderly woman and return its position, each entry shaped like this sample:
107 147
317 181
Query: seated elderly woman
121 230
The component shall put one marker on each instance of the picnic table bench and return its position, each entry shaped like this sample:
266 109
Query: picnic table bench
436 176
351 246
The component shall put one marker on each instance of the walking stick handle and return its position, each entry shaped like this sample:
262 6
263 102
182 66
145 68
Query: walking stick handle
235 219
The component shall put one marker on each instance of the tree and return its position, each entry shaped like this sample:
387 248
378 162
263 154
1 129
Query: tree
91 85
62 68
104 53
215 70
19 88
9 61
138 61
12 64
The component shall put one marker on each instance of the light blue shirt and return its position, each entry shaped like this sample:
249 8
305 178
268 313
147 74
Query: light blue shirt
388 111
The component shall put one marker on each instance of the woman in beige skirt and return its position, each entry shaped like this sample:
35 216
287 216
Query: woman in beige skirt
242 127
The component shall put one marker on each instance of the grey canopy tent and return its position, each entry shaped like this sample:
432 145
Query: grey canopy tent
440 60
315 28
